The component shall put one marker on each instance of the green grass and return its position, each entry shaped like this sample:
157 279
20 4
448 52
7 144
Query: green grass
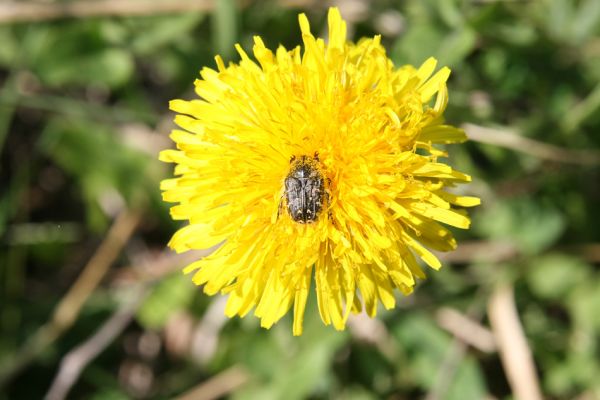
84 112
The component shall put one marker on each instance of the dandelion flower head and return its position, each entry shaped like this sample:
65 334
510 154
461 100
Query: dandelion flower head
366 128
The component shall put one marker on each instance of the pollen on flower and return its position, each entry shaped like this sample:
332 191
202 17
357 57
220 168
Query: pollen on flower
357 218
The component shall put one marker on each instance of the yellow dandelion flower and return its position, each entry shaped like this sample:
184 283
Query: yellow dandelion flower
315 161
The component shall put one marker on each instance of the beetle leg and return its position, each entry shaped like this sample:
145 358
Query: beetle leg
328 196
329 214
280 208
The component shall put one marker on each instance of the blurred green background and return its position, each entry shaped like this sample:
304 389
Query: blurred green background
87 287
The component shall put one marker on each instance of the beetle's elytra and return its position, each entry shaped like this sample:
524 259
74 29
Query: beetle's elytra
304 189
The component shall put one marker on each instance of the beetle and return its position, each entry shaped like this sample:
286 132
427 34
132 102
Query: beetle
304 190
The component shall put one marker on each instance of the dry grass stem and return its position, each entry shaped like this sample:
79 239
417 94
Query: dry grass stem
373 331
35 11
466 329
495 252
75 361
514 350
28 11
219 385
157 266
205 339
67 310
447 370
458 350
482 251
513 141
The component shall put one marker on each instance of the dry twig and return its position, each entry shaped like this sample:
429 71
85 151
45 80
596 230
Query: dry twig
33 11
482 251
511 140
144 275
205 339
70 305
74 362
375 332
587 251
67 310
29 11
466 329
447 369
500 251
165 263
219 385
512 344
455 354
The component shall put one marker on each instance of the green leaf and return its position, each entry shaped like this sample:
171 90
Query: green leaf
584 303
291 367
99 160
109 394
79 54
468 382
9 50
355 392
170 295
427 347
517 34
450 13
557 16
586 20
457 46
449 47
576 373
555 275
152 33
111 67
531 226
426 34
224 28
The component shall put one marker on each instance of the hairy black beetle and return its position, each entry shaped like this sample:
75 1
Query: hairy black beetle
304 190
